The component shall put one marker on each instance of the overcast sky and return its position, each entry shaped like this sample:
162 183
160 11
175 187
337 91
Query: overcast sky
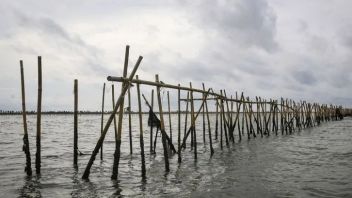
271 48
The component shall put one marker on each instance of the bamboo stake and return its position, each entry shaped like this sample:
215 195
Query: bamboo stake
221 123
203 120
193 124
151 126
162 126
130 120
229 120
257 114
102 121
179 124
115 168
238 106
141 141
39 114
245 111
168 106
195 118
184 135
209 129
216 118
106 128
75 123
113 106
25 148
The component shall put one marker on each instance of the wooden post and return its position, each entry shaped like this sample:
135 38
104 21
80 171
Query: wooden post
168 106
162 126
130 120
39 114
209 129
75 123
141 141
102 121
179 124
151 126
106 128
26 149
193 123
115 168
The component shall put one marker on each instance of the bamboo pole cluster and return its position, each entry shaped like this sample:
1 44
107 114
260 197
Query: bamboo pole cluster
236 117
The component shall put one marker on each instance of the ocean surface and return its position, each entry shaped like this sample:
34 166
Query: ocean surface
314 162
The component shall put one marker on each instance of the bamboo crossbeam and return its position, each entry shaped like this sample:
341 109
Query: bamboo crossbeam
170 86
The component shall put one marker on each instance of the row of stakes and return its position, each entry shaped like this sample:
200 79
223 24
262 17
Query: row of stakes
259 118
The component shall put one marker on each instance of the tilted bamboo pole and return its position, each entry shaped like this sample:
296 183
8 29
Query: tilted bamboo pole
107 125
162 127
26 149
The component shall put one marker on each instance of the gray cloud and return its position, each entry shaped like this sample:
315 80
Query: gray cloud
262 47
247 23
305 77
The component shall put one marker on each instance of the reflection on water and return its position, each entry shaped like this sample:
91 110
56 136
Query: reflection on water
314 162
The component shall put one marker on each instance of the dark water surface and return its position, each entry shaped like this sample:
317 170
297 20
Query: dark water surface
314 162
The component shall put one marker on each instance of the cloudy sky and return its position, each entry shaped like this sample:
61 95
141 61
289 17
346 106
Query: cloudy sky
271 48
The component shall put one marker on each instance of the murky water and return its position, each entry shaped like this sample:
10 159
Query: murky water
314 162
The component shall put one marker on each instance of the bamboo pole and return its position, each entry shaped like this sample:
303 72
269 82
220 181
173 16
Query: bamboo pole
195 118
168 107
238 106
245 111
164 85
39 114
102 121
130 120
107 125
209 129
229 120
26 149
75 123
113 106
203 120
141 140
216 119
257 114
221 123
162 127
193 124
186 121
117 153
151 126
179 125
